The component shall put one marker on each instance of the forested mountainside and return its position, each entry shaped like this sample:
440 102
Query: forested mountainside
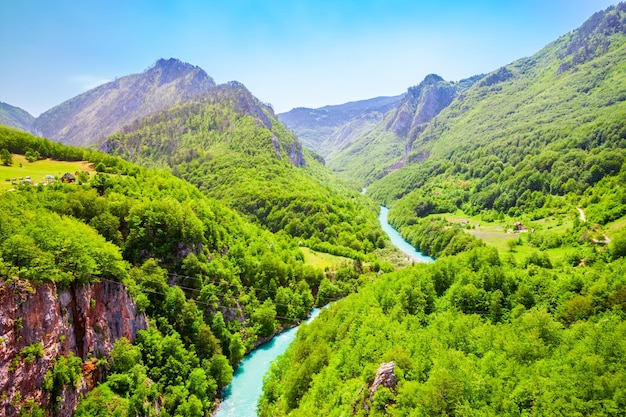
89 117
329 129
211 283
233 149
529 322
15 117
364 140
529 136
387 146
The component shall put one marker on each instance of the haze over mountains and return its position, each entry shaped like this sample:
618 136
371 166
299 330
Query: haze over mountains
330 128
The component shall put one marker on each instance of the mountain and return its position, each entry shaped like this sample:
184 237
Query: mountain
547 125
232 147
517 188
327 129
15 117
370 154
95 114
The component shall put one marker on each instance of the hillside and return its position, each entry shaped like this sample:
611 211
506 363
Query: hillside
363 141
212 284
541 128
89 117
15 117
234 149
533 328
328 129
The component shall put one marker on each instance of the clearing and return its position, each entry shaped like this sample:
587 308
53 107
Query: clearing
38 170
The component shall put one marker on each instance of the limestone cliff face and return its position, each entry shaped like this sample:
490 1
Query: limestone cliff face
420 105
83 319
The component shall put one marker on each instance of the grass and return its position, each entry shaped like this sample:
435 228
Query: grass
324 261
498 235
38 170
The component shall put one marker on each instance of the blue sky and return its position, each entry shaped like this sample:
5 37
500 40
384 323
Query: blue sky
288 53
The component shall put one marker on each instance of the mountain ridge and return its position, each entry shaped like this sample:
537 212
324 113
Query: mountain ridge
326 129
95 114
16 117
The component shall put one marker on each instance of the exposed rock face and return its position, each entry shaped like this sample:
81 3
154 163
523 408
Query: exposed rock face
420 105
385 376
83 319
97 113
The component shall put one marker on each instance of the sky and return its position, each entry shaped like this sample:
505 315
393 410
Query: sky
288 53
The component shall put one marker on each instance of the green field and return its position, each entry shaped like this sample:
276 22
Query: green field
38 170
500 235
324 261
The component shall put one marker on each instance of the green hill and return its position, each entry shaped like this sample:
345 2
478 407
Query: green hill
233 149
530 139
532 328
212 283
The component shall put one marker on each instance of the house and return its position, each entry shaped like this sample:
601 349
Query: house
68 178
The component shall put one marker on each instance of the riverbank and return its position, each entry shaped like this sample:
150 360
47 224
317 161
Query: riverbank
240 398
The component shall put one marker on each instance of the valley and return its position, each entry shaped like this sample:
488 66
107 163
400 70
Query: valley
201 224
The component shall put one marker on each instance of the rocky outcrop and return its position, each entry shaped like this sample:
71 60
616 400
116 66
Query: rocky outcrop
296 156
385 376
84 320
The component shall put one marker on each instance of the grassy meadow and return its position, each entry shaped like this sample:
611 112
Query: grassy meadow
38 170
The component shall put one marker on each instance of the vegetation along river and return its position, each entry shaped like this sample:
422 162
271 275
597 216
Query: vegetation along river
241 396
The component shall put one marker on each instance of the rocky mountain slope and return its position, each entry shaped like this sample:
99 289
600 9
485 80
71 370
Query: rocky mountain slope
371 154
43 323
328 129
95 114
16 117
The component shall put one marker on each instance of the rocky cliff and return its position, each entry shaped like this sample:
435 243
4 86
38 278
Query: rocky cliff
421 104
39 325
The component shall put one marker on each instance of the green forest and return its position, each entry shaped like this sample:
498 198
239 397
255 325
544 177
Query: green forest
225 231
527 320
212 283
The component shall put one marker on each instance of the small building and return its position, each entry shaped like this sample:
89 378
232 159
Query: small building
68 178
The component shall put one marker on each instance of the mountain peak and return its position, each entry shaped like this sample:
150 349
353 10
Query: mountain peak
173 69
432 79
95 114
162 62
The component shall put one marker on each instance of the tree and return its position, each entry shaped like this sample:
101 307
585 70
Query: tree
6 157
124 356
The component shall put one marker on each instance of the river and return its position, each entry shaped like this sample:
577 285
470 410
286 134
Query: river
398 241
242 395
240 398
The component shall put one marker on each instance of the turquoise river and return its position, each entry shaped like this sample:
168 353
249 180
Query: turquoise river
241 396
